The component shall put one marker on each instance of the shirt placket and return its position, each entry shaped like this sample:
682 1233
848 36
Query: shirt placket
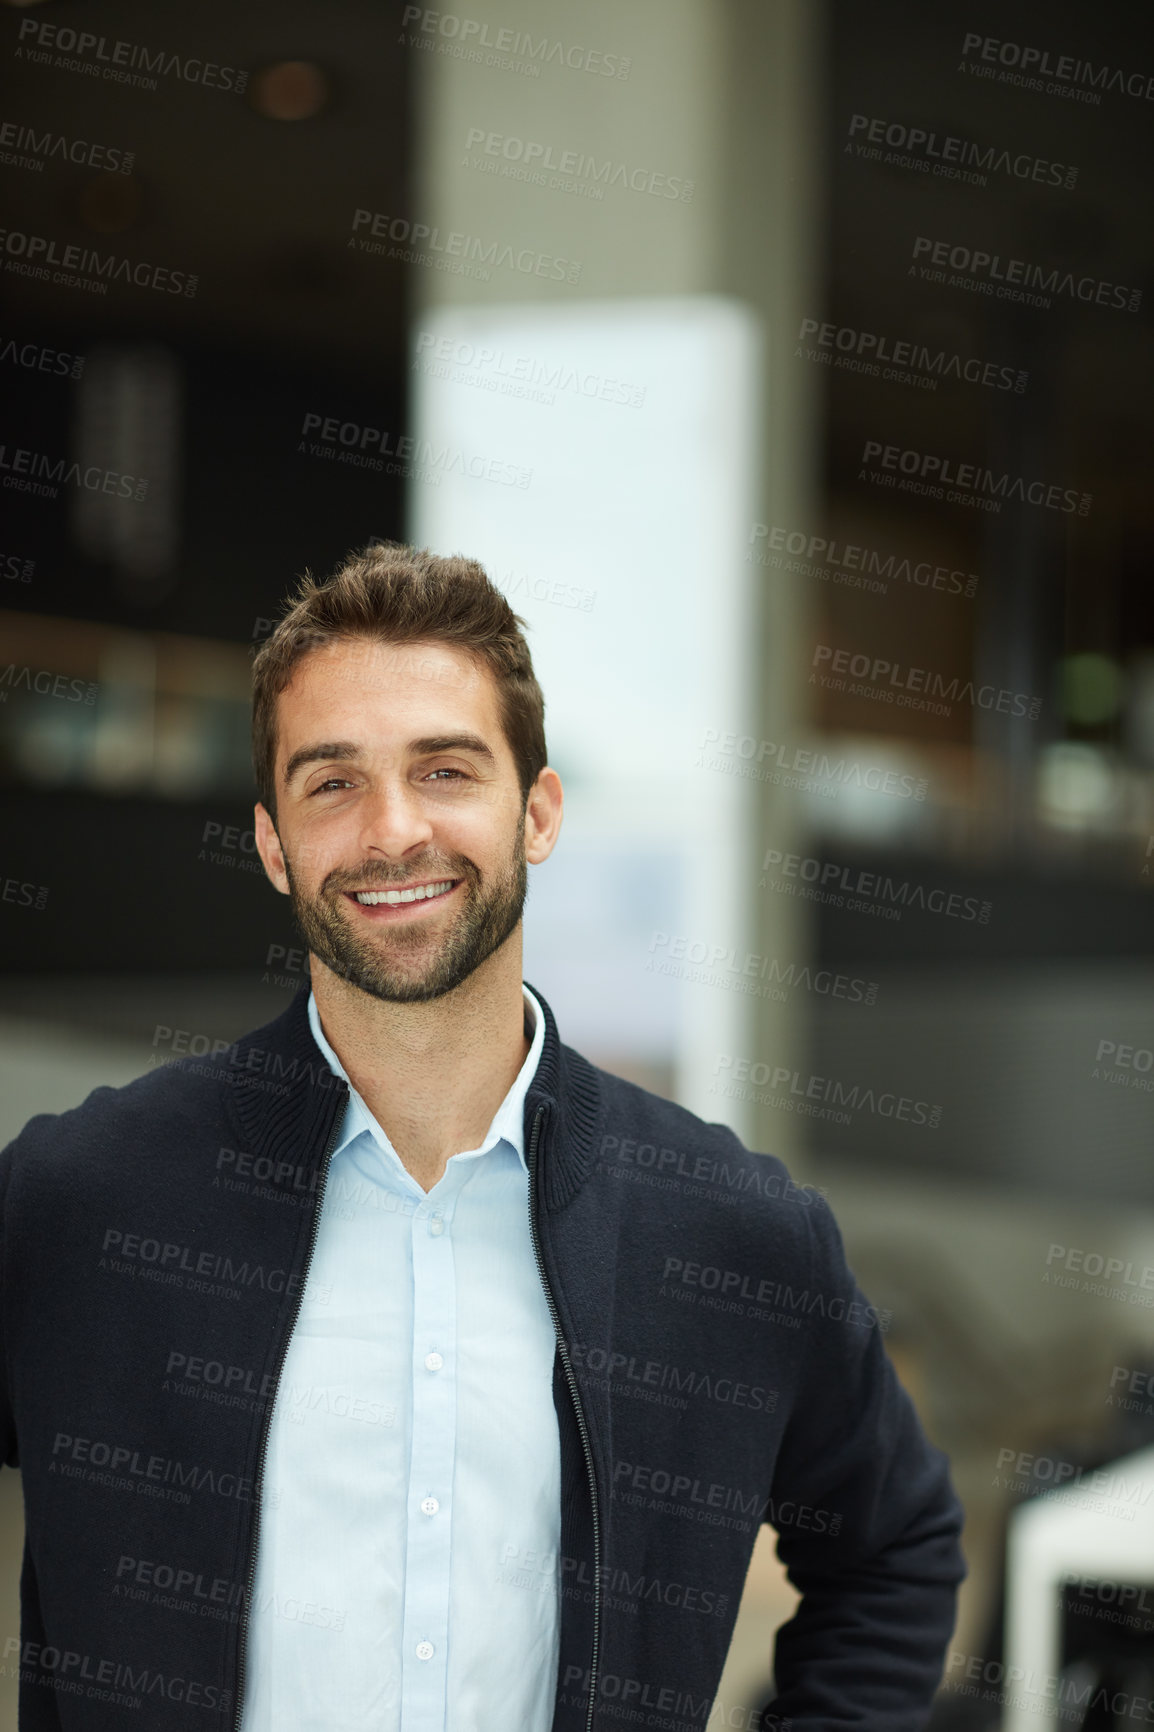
428 1513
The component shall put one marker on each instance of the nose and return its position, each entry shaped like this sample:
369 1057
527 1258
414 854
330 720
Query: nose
393 822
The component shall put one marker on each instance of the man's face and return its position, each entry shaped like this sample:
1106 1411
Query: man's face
393 774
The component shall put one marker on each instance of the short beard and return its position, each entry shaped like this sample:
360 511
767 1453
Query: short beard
481 926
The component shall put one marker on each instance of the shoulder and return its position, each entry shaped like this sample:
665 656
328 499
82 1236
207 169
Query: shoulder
113 1128
649 1147
717 1215
177 1106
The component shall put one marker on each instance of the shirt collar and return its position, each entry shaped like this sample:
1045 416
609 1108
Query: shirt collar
508 1121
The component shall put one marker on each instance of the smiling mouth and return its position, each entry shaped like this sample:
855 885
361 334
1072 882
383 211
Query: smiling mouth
394 898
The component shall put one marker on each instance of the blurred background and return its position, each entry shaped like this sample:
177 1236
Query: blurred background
787 363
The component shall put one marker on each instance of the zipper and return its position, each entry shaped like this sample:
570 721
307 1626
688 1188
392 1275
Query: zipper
258 1482
563 1349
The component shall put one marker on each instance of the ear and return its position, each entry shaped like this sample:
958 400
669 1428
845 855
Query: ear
269 849
543 813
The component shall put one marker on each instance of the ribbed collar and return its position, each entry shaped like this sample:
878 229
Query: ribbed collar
286 1099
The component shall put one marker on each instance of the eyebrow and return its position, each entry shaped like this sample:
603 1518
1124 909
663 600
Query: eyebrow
341 751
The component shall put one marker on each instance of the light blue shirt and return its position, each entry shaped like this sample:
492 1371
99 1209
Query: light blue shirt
407 1572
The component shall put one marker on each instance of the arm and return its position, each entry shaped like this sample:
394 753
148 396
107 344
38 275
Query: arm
876 1559
8 1449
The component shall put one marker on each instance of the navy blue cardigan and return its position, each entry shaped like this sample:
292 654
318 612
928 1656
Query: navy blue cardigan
716 1367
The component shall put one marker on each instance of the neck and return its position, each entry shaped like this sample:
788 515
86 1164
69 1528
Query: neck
431 1074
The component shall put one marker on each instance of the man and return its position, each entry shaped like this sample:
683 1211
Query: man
356 1377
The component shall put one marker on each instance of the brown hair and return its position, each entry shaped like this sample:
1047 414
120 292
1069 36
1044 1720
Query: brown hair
392 593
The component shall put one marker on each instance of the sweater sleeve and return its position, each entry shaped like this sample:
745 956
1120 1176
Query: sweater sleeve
868 1525
8 1447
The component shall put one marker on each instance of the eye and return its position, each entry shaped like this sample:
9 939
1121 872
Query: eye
447 771
330 782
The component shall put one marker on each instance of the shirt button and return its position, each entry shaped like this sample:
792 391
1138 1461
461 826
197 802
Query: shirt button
424 1650
433 1362
436 1225
430 1505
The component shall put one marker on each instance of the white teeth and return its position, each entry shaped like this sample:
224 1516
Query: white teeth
370 898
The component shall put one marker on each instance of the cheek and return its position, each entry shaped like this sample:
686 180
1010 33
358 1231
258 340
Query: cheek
490 826
313 851
502 807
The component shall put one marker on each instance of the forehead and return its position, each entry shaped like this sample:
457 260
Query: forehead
357 687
